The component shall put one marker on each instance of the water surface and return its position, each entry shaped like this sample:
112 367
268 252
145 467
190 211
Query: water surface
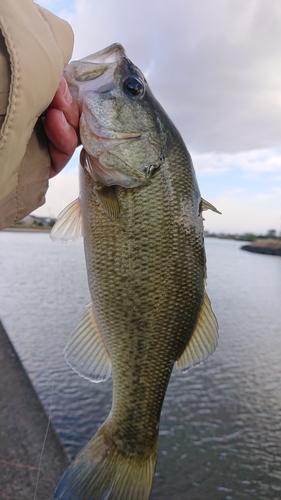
220 430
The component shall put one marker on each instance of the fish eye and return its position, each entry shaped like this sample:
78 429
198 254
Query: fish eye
133 87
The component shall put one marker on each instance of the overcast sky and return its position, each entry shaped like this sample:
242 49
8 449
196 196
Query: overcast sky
215 66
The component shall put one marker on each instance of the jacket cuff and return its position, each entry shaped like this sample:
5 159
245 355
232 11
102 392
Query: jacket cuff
37 45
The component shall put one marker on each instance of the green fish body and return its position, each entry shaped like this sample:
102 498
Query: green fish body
140 213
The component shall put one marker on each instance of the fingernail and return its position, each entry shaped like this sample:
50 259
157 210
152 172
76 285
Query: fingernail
67 95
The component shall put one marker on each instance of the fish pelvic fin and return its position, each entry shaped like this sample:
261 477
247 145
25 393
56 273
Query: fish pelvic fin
69 226
102 472
204 339
86 352
109 201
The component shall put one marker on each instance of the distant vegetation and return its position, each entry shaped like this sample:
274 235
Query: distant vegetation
31 222
271 234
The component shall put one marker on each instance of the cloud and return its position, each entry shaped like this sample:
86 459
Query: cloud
242 210
57 6
215 66
242 214
248 162
62 191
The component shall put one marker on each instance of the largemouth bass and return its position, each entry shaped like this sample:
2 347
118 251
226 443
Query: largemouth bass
140 213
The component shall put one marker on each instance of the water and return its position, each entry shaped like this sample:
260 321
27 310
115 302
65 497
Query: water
220 433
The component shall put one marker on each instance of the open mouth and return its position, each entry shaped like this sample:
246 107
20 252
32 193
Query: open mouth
112 54
96 69
91 127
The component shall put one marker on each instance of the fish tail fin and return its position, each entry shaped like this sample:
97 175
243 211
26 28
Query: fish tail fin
102 472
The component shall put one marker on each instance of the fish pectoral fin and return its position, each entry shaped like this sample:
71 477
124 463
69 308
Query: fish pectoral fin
204 339
205 205
69 226
109 201
85 351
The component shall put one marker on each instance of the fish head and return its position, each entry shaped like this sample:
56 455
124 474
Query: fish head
120 125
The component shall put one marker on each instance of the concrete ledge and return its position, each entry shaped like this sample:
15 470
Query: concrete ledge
23 425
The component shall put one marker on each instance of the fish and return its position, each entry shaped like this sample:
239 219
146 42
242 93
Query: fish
140 213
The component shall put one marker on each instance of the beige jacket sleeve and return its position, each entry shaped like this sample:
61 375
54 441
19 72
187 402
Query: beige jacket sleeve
35 45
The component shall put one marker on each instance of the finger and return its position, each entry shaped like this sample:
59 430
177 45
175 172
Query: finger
59 131
62 137
64 101
59 160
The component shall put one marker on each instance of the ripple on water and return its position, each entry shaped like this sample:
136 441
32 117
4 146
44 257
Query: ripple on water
220 430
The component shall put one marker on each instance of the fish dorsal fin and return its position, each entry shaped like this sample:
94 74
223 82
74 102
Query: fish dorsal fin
109 201
204 338
69 225
205 205
85 351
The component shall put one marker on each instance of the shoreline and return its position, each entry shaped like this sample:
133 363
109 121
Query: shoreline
25 426
267 246
27 230
262 250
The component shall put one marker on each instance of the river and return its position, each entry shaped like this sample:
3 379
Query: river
220 432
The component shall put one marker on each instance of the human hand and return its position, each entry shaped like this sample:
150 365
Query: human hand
61 127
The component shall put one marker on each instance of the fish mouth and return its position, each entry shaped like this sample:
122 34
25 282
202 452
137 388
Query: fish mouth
112 54
89 122
95 71
116 137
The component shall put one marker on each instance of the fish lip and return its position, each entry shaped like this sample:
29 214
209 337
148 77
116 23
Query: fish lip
94 72
102 134
111 54
118 137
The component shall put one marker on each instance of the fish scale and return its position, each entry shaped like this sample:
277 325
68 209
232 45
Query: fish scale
157 276
140 213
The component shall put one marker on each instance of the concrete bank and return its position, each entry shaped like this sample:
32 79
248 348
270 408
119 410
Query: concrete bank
23 425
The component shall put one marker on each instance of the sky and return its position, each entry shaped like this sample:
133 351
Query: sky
215 66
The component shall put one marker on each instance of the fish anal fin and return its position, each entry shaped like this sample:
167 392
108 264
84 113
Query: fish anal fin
101 471
85 351
205 205
109 201
69 226
204 339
